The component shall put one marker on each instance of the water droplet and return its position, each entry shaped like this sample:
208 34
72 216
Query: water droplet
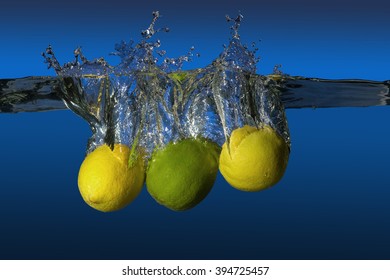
236 24
276 70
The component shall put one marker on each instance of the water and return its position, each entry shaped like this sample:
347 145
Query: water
33 94
147 102
331 203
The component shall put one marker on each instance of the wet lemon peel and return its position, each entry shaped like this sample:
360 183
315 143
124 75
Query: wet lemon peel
254 159
108 180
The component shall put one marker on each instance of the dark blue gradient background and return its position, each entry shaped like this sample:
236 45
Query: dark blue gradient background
333 202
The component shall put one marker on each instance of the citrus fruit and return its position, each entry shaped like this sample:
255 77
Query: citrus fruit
110 179
254 159
180 175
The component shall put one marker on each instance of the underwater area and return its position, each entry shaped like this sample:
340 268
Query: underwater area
332 203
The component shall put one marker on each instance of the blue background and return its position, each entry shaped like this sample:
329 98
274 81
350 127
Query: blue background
333 202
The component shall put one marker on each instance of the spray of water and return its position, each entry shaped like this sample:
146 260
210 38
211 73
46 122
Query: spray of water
147 99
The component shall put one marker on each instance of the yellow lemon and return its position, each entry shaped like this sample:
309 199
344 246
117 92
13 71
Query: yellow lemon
180 175
254 159
110 179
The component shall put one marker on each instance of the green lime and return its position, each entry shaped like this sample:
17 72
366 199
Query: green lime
180 175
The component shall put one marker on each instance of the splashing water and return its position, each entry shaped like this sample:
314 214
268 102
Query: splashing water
150 102
124 103
228 90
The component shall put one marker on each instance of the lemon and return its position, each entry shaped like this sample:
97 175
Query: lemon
254 159
111 179
180 175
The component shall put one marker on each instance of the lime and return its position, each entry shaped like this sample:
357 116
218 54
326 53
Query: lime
180 175
254 159
110 179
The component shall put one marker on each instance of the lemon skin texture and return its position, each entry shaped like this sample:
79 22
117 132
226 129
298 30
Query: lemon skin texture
180 175
254 159
110 179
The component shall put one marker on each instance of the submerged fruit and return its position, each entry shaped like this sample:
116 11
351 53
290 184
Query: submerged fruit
181 175
254 159
111 179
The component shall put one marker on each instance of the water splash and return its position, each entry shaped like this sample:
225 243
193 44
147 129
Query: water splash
237 22
129 102
228 94
150 31
147 99
237 55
